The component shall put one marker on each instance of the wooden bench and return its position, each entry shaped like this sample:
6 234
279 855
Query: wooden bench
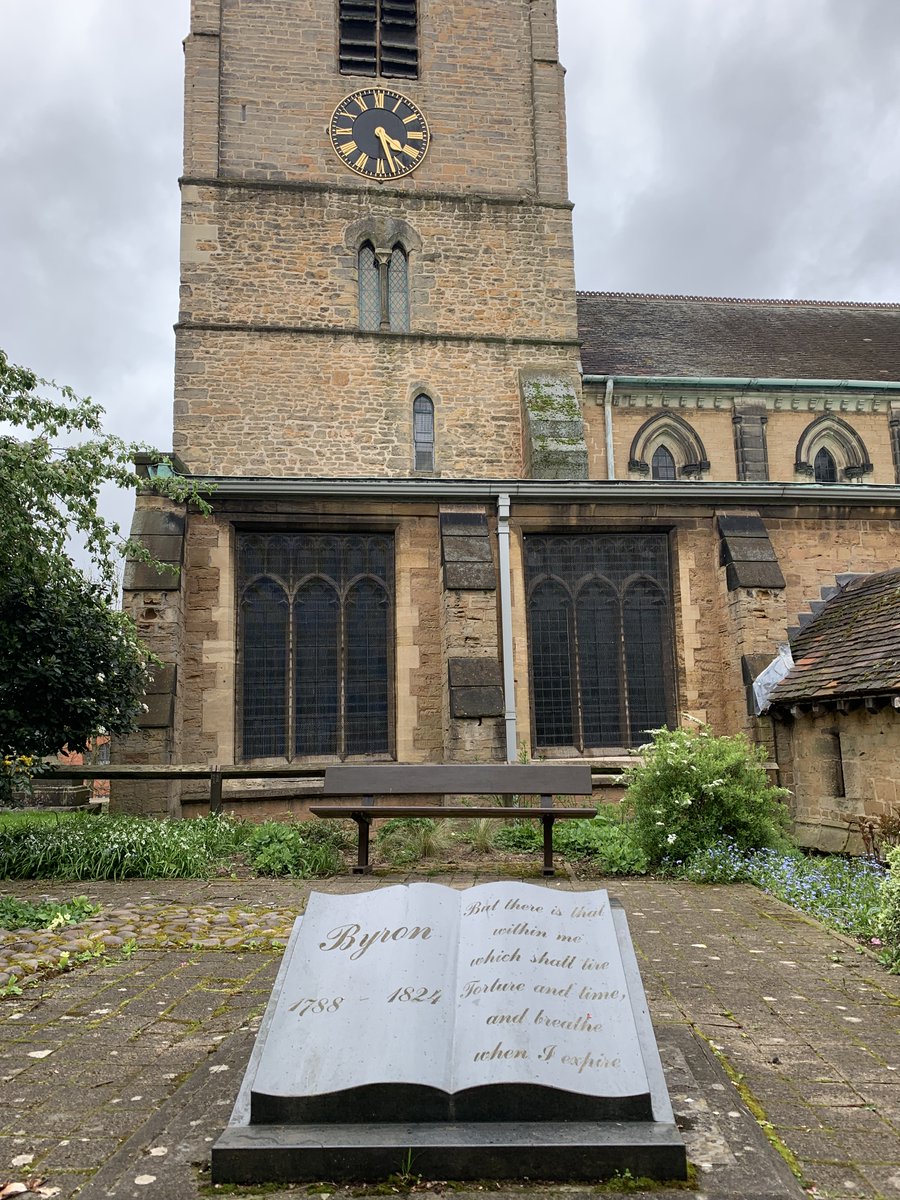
504 779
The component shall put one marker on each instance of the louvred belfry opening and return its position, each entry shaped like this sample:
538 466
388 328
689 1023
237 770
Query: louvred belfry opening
379 37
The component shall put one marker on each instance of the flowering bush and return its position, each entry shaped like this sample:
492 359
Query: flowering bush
693 789
889 913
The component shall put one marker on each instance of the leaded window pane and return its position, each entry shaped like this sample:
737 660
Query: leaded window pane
317 611
645 627
369 289
264 620
315 644
662 465
367 669
423 433
602 679
398 291
551 665
597 625
825 467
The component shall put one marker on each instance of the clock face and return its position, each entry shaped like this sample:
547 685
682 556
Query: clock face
379 133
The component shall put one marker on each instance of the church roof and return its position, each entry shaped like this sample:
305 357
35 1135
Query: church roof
634 334
851 648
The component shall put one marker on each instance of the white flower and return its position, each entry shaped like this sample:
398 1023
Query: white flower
673 837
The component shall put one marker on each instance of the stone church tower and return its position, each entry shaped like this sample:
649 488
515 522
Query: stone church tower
377 283
321 298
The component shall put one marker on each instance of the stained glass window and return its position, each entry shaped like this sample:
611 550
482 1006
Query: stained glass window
600 639
662 465
824 467
315 644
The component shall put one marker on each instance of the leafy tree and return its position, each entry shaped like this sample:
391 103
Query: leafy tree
71 665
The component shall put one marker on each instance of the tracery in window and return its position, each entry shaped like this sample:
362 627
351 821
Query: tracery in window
383 289
831 451
423 433
315 644
379 37
600 639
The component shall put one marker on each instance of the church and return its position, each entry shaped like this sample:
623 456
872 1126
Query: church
462 512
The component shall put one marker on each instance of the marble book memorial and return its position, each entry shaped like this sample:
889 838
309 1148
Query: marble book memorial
493 1031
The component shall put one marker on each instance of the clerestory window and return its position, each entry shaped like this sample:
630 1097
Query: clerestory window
379 37
423 433
662 465
824 467
600 639
383 289
315 644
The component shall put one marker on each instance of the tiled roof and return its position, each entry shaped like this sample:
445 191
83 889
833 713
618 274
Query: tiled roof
852 648
631 334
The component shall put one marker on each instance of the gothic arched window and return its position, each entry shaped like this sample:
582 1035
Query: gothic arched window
423 433
662 465
315 645
831 451
667 447
383 289
600 639
824 467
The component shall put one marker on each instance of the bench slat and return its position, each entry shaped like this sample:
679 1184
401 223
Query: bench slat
503 779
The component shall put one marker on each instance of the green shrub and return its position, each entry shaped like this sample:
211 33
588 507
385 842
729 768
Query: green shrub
694 788
604 840
888 920
405 840
275 848
85 846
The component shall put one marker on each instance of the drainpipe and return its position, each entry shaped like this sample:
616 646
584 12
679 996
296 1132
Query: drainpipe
607 421
506 639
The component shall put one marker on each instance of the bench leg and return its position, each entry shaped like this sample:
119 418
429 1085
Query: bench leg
362 846
548 846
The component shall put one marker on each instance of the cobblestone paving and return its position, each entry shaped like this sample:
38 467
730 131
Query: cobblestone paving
116 1074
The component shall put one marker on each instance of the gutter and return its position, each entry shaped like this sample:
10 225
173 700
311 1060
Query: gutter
747 383
550 491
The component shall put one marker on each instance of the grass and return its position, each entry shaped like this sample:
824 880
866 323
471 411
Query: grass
87 846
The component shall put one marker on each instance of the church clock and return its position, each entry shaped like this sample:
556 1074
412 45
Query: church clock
379 133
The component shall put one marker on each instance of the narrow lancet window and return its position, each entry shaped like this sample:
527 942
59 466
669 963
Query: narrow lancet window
423 433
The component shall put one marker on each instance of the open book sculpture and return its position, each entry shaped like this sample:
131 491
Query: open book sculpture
483 1030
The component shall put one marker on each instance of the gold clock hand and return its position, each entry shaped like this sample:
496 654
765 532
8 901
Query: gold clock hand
386 147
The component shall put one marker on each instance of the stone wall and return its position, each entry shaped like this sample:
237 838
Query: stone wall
840 766
249 403
711 413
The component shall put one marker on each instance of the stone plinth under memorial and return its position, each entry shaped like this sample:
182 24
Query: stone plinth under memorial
498 1032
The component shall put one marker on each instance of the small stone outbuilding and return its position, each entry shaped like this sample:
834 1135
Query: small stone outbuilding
837 712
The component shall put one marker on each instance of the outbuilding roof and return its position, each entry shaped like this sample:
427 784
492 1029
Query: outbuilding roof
635 334
851 648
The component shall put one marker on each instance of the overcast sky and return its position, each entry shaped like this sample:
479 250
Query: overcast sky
716 147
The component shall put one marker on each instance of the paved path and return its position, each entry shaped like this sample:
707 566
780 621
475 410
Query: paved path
116 1076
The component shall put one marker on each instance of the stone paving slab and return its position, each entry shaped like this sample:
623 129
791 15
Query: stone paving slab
113 1060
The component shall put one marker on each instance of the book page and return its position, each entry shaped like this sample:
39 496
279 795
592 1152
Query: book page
541 994
369 996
